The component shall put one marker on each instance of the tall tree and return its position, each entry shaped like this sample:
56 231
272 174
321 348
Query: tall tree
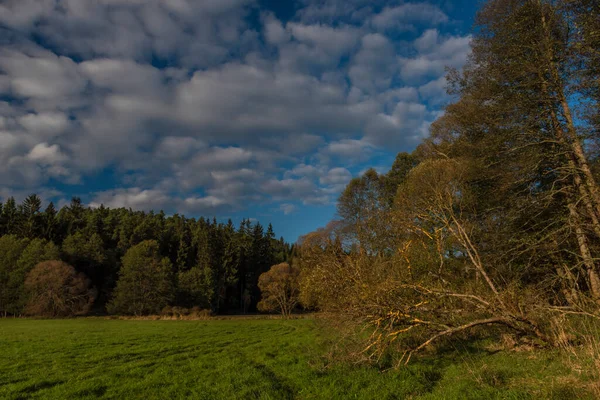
361 207
10 216
49 223
31 216
515 117
11 248
145 282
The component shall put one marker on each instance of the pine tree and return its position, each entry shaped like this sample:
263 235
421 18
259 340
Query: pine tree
30 210
10 216
49 223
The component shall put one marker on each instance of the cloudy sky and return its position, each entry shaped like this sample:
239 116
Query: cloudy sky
235 108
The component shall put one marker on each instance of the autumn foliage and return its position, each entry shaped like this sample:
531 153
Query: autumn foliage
55 289
279 288
494 223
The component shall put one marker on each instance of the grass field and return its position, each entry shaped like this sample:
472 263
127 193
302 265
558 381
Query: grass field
247 359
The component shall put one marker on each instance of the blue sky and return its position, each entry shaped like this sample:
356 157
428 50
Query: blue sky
258 109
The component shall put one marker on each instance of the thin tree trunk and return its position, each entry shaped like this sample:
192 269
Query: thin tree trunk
473 254
588 261
573 141
589 179
571 162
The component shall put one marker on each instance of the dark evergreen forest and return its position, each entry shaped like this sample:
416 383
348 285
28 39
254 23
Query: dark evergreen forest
209 265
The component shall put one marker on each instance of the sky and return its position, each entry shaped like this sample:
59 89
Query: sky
261 109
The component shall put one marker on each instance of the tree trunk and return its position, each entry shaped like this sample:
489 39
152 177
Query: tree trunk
580 160
586 256
586 196
589 180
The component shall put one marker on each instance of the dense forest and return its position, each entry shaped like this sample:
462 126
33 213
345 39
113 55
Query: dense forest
130 262
492 222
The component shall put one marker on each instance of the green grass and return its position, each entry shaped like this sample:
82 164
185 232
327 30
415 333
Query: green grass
246 359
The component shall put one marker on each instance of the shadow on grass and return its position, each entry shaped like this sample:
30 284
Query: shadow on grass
283 389
38 386
98 391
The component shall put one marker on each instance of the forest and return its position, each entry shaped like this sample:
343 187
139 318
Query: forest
127 262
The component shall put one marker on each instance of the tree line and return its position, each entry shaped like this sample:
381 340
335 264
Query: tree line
493 221
128 262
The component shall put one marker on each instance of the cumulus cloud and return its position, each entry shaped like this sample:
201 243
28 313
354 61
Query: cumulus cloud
154 199
274 31
131 198
46 154
287 208
46 124
336 176
411 118
405 16
351 151
435 53
374 66
197 33
332 40
45 78
207 106
434 91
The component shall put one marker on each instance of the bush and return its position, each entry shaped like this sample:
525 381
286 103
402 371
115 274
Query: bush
197 312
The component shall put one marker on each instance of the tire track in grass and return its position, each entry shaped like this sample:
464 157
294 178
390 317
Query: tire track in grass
283 389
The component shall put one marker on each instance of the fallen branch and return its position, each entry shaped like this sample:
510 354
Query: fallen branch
451 331
567 310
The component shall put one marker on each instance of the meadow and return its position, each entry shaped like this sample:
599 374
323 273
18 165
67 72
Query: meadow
250 359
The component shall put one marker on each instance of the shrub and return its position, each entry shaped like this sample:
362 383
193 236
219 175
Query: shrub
197 312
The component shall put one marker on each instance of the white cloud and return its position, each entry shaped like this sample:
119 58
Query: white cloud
303 170
46 124
41 75
349 150
181 97
435 91
435 54
374 66
178 147
427 41
132 197
408 120
332 40
204 202
287 208
274 31
45 154
198 33
403 17
336 176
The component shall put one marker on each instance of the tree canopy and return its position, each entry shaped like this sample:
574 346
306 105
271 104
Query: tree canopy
495 217
213 265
